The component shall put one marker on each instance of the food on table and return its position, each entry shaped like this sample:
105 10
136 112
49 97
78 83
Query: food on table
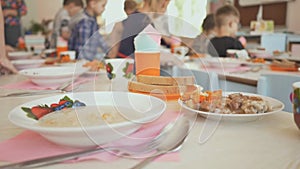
160 86
257 60
235 103
166 81
283 63
65 58
277 52
38 111
95 65
84 116
197 55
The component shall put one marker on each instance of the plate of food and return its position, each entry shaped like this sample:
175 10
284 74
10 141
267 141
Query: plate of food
87 119
233 106
52 76
95 67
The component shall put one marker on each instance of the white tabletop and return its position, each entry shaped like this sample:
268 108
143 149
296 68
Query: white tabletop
272 142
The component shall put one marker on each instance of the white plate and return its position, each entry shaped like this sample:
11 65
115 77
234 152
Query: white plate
259 53
223 62
276 104
50 76
150 108
27 63
19 55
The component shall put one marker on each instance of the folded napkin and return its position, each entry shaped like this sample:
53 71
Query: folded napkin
30 145
29 85
226 69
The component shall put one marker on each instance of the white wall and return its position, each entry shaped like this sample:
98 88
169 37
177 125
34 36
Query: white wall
40 9
293 23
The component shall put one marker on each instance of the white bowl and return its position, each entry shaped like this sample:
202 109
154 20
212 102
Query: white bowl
28 63
149 107
19 55
52 76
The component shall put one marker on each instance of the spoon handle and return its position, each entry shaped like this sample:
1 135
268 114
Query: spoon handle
40 162
147 160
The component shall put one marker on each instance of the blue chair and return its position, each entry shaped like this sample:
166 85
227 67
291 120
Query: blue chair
278 86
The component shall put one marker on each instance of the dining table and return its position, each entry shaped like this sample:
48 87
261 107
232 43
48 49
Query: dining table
271 142
244 78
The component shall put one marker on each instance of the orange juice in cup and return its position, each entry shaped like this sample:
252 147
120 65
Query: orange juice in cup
147 63
175 42
61 46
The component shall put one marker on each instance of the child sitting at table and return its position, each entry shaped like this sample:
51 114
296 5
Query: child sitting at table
201 42
85 37
62 20
227 23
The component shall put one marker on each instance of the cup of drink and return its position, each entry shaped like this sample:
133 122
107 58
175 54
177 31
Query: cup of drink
296 103
175 42
61 46
147 63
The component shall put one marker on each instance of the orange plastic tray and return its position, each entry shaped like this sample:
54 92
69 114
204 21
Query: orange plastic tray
161 96
289 69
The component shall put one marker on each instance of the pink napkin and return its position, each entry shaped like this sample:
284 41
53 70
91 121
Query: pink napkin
226 69
28 85
29 145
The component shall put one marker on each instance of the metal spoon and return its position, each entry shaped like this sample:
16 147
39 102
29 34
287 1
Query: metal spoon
173 142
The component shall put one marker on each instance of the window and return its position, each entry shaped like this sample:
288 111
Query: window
185 19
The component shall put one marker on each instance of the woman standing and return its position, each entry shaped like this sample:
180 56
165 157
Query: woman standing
12 12
5 65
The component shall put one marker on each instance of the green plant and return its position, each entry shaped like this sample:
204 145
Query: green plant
36 27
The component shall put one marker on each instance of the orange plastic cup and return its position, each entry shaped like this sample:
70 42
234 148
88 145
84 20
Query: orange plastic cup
147 63
173 46
60 49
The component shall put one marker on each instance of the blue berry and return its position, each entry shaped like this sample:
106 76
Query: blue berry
68 104
109 75
78 104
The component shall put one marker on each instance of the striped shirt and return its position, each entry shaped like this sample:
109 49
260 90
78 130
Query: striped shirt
86 39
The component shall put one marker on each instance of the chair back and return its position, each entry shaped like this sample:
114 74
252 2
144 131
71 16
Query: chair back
278 86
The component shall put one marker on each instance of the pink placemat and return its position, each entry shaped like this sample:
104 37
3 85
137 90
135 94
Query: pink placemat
28 85
30 145
226 69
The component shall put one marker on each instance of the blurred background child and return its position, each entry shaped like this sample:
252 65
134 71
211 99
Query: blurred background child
62 20
130 6
227 22
85 38
201 42
123 34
